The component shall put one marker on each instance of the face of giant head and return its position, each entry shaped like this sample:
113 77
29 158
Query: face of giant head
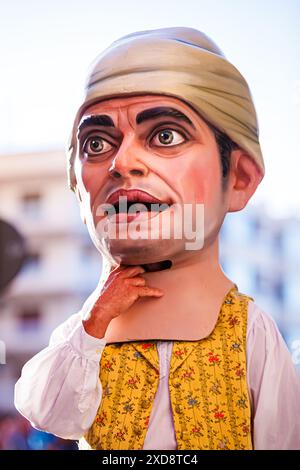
157 151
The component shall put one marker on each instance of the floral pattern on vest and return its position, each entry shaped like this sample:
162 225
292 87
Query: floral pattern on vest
207 385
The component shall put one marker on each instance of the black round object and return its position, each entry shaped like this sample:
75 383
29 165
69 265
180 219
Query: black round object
12 253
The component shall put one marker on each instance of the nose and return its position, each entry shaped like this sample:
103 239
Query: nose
126 163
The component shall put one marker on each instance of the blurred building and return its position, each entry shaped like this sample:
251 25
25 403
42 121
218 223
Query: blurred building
62 265
260 254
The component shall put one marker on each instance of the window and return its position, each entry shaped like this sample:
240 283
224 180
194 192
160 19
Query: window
29 319
279 290
255 224
31 204
88 253
262 281
278 242
32 262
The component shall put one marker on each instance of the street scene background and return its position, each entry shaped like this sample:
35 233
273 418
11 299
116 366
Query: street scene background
45 51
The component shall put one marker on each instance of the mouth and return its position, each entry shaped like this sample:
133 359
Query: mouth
128 205
138 206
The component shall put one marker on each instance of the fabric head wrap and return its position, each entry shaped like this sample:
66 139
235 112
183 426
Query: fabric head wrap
179 62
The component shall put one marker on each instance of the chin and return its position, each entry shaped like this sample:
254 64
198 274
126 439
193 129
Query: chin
132 252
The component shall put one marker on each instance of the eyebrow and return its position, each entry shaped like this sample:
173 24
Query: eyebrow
96 120
162 111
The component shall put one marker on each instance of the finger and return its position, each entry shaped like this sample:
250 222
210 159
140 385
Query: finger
117 271
131 272
136 281
149 292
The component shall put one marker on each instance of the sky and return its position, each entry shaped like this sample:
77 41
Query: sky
47 47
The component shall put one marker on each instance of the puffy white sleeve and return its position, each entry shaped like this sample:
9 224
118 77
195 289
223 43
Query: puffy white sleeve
59 390
274 385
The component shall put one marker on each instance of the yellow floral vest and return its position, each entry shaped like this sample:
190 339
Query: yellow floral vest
207 384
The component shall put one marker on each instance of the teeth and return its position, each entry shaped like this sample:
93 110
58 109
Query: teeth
140 206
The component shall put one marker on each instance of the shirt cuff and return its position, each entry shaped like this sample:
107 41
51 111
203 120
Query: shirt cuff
85 344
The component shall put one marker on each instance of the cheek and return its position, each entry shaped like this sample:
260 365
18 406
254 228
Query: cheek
195 184
88 177
91 177
198 178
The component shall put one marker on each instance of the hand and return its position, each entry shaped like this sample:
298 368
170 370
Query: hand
123 287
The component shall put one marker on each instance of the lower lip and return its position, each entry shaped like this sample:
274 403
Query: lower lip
125 218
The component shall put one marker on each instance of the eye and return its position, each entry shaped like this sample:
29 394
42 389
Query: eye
95 145
167 137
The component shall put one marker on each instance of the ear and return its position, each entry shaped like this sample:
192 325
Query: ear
245 176
81 207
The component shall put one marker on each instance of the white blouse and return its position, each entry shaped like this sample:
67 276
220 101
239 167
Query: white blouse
59 390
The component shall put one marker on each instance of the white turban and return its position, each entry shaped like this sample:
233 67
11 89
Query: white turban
179 62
